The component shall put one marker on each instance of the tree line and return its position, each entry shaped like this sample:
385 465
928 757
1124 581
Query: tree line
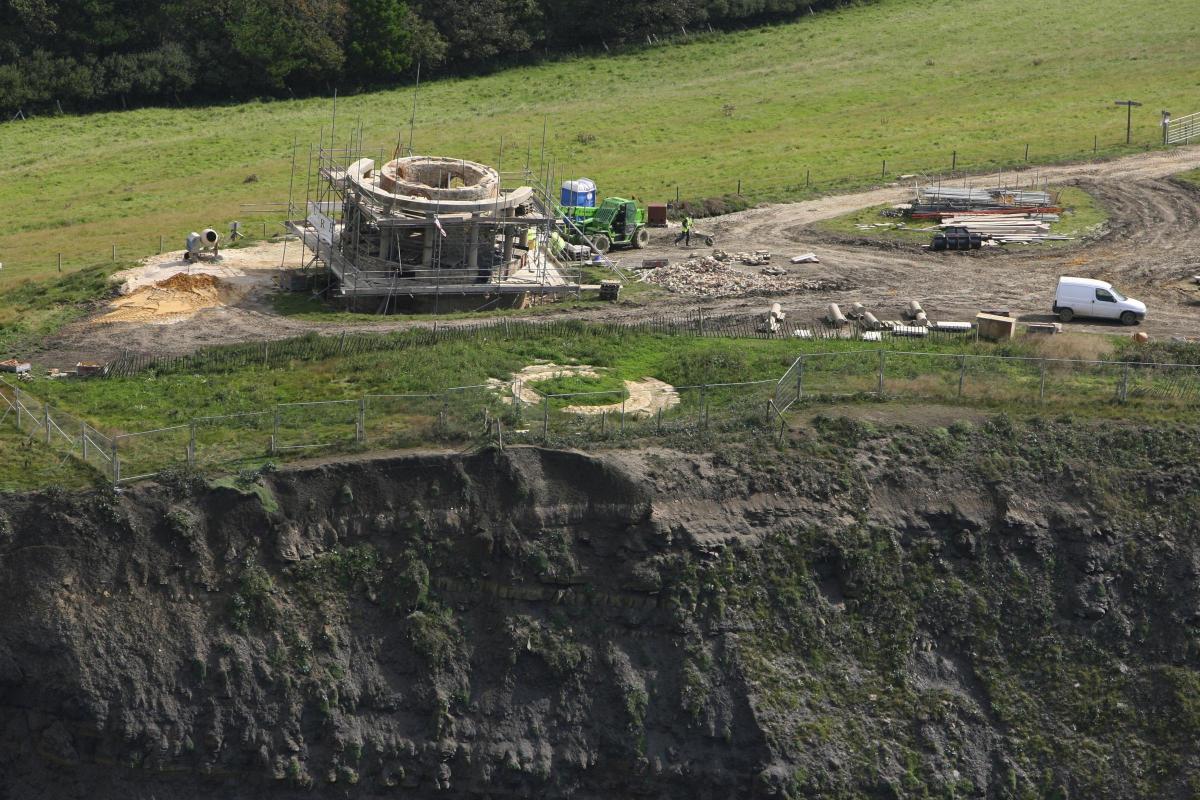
79 55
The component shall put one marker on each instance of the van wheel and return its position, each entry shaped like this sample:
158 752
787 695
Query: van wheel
1128 318
1065 314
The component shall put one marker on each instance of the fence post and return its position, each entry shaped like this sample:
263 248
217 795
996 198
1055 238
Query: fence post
658 422
46 421
545 419
275 431
962 374
191 451
114 252
770 408
622 415
1124 391
116 462
83 438
17 397
361 433
500 433
881 361
1042 383
160 244
800 378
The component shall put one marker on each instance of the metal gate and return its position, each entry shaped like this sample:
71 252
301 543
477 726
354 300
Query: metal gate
1182 130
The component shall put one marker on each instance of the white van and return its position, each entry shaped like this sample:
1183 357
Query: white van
1087 297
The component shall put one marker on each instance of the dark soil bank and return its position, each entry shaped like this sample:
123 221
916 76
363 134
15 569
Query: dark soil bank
990 611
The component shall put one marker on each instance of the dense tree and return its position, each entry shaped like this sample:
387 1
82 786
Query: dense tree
84 54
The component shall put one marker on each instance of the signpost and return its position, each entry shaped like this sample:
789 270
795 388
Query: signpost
1129 104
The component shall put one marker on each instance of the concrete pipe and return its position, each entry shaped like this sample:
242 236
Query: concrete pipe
777 311
913 309
921 320
870 322
834 316
856 311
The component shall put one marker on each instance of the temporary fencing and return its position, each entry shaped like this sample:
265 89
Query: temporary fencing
315 347
467 416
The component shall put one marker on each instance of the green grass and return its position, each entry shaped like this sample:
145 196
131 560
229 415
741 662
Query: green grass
1081 215
835 93
30 311
402 398
26 464
1192 176
612 386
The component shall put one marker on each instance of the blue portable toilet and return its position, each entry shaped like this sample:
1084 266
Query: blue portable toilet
581 192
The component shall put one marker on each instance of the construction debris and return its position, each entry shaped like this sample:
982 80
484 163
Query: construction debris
15 366
806 258
754 259
773 319
706 276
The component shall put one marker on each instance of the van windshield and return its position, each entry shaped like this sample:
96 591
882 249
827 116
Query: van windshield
1117 295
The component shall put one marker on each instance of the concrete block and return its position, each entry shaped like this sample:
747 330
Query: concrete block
1047 328
995 328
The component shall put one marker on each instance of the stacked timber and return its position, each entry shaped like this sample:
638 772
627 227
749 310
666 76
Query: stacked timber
1007 228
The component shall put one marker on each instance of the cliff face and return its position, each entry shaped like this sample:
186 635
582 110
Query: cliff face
955 613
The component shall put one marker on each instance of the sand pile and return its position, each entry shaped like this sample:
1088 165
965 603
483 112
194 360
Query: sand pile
178 296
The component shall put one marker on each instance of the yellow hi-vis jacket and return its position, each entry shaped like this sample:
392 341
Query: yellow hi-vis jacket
530 239
687 223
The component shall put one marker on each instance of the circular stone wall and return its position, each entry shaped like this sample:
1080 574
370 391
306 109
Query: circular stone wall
439 178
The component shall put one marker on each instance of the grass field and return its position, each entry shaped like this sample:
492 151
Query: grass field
149 400
836 93
1082 214
399 398
25 464
1191 176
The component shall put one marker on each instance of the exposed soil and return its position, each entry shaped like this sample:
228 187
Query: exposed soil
644 397
169 300
963 611
1149 248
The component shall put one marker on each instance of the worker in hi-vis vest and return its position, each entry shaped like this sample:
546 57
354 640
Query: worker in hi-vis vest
531 239
685 235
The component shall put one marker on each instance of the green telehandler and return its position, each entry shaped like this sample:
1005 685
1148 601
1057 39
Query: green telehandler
616 222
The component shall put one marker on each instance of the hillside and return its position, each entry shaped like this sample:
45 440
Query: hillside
884 613
908 81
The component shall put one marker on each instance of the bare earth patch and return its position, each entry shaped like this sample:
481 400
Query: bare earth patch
646 396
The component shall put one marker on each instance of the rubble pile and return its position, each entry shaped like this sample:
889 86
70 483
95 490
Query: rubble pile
754 259
707 276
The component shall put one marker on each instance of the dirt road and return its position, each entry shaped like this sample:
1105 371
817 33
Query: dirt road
1149 247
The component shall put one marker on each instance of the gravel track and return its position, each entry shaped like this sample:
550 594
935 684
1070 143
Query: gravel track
1149 247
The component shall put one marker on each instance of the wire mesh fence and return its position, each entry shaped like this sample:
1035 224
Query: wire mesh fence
504 413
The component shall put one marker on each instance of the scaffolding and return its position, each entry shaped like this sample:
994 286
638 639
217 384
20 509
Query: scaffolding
419 227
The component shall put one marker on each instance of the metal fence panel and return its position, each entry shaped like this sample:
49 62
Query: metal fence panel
323 424
230 439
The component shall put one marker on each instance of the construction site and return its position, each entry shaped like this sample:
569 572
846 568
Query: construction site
426 233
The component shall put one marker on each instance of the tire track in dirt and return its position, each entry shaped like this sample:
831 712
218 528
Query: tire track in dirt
1151 242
